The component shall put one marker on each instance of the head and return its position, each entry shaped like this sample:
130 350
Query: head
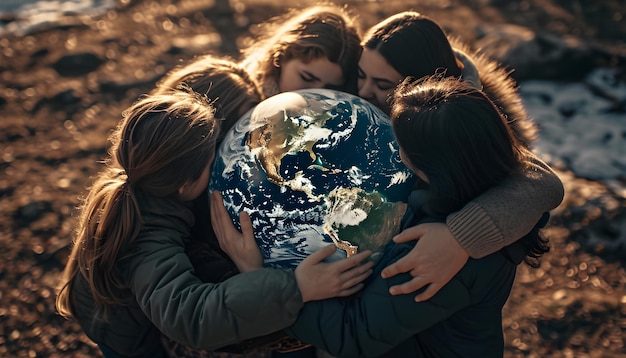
227 85
165 142
317 47
163 147
403 45
455 138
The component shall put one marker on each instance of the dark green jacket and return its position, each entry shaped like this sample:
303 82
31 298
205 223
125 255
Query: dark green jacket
464 319
167 297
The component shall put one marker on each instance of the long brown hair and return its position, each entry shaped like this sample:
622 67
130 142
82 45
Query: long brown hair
314 32
229 87
159 146
458 138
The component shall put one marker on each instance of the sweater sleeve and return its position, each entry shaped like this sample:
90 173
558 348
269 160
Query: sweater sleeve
205 315
505 213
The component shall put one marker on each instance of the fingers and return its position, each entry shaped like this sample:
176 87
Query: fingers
410 286
401 266
358 270
319 255
352 261
358 278
216 213
246 225
361 256
216 199
428 293
218 210
412 233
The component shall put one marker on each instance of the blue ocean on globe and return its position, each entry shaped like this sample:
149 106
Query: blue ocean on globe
312 168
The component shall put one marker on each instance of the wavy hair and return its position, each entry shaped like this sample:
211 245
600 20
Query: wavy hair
155 149
318 31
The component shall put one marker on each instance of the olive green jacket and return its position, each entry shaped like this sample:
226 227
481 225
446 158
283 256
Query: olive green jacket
166 296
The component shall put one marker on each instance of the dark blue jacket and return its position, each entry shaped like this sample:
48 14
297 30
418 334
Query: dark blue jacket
464 319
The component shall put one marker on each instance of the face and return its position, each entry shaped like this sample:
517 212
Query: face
193 189
377 79
318 73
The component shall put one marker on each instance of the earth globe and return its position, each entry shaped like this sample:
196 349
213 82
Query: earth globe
312 168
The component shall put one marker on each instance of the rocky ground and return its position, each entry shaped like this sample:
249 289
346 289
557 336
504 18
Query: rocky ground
63 89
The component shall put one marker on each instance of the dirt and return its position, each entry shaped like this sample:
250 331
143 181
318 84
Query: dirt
63 89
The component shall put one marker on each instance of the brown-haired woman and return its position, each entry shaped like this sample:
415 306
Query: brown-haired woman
409 44
458 142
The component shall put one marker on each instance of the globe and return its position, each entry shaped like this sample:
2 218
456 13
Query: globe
312 168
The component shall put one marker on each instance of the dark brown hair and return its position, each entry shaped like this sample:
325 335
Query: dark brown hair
455 135
414 45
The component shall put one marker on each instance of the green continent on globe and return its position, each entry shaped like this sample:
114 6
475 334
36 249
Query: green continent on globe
357 220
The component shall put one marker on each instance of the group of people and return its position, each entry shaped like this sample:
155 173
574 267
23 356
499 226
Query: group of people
158 270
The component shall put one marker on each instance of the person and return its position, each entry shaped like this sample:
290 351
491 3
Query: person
314 47
409 44
453 137
128 280
232 93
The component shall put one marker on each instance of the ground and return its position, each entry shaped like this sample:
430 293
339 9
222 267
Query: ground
62 90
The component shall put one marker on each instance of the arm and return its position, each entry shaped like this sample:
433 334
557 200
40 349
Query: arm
505 213
374 322
499 217
208 316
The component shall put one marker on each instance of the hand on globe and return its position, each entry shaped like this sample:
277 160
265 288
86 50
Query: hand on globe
319 280
434 260
240 246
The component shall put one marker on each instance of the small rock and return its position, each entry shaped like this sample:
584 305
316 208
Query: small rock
78 64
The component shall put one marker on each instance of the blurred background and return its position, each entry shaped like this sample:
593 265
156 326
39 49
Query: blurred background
69 68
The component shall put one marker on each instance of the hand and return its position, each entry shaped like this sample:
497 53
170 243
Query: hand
434 260
318 280
240 246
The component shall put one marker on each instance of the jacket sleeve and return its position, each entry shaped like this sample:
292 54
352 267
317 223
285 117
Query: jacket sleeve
505 213
205 315
373 322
